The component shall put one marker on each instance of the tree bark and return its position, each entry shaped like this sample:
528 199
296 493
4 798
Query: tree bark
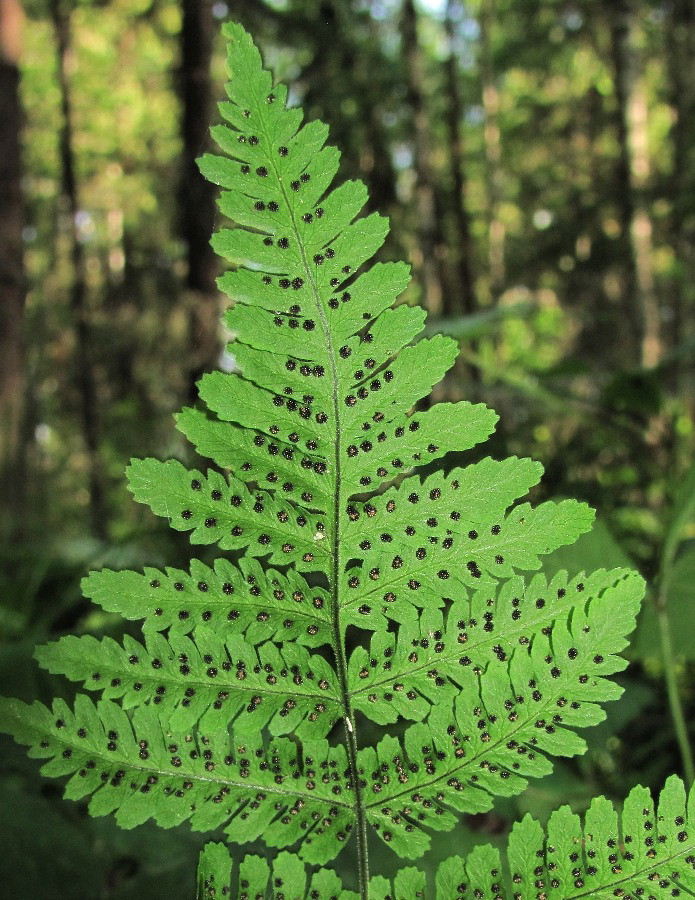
377 163
464 302
426 261
680 46
79 301
493 151
640 304
333 26
12 286
197 196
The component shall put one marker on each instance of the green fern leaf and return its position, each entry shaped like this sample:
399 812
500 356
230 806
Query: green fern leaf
182 677
224 714
239 598
221 509
506 719
430 660
255 878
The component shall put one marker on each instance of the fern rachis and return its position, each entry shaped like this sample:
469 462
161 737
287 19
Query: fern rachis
242 706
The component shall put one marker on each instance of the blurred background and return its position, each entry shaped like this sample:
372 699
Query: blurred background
537 160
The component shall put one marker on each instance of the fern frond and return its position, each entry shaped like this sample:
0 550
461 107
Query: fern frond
223 510
317 493
642 853
431 659
451 565
255 878
206 681
507 718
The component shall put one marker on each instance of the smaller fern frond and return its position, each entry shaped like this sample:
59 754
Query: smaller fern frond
644 852
223 510
511 712
447 556
255 877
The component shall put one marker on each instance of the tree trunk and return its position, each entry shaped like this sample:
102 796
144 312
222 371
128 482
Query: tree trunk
79 302
464 302
426 261
640 304
12 289
348 64
493 151
377 163
680 45
197 196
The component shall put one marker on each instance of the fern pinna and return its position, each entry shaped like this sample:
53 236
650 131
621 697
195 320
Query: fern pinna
352 587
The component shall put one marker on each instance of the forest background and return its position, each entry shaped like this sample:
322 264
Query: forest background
537 160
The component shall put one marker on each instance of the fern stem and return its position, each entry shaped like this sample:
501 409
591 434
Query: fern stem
351 748
674 699
338 634
339 646
342 670
338 642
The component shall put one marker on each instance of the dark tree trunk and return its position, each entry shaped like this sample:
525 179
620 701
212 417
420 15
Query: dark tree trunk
334 25
460 297
427 260
79 301
464 301
12 289
493 152
377 163
197 196
639 303
680 45
623 188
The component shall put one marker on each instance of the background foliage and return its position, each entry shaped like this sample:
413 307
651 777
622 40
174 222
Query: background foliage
536 159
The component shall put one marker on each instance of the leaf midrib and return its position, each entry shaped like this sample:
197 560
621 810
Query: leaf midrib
359 807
